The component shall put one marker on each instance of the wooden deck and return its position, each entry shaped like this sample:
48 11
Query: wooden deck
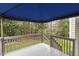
37 50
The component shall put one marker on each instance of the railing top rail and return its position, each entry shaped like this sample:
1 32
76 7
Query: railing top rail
46 37
20 36
65 38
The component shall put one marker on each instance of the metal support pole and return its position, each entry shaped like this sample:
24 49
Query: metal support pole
2 39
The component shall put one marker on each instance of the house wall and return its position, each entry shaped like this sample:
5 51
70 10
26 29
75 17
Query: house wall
72 28
74 32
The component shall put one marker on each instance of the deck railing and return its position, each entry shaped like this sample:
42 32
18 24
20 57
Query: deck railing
64 44
13 43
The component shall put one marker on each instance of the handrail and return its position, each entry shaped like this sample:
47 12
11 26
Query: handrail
21 36
46 37
21 41
56 42
53 42
68 44
65 38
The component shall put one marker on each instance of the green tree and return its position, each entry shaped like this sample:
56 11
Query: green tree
10 27
13 28
38 27
64 28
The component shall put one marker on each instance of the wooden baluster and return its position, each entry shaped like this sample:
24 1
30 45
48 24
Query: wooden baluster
42 38
51 38
73 48
67 46
64 45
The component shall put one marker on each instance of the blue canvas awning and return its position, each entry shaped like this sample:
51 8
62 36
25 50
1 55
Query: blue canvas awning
39 12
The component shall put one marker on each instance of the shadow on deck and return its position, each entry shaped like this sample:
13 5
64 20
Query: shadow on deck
37 50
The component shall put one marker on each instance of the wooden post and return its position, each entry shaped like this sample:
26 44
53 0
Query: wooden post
50 34
50 41
74 33
1 40
73 53
42 38
42 34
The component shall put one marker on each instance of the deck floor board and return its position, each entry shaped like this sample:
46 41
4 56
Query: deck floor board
37 50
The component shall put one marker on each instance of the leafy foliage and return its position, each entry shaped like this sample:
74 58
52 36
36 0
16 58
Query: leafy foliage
10 27
13 28
64 28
